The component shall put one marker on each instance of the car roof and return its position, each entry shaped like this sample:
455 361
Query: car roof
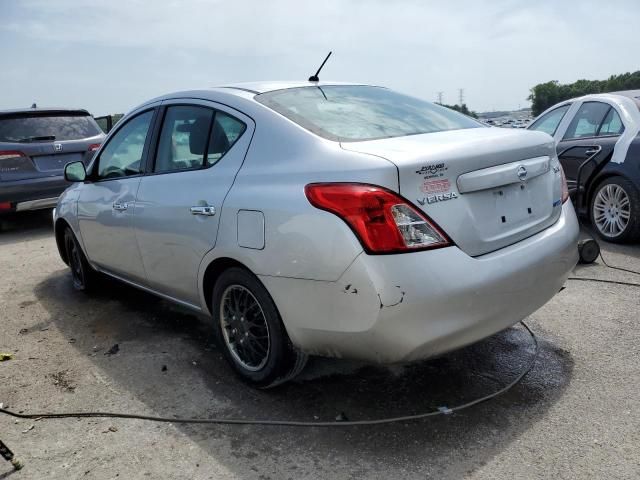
43 110
245 90
270 86
632 94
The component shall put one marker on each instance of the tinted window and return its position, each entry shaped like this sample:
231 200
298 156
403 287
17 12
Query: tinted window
26 128
587 120
122 155
226 130
187 132
612 124
183 139
353 113
549 122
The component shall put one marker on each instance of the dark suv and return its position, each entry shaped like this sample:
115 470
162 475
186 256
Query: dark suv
35 145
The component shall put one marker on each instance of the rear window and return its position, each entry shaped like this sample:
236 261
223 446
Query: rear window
41 127
355 113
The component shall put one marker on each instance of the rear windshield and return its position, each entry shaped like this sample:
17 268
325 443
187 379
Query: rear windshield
46 127
355 113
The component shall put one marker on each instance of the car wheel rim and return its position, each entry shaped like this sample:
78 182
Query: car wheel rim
75 263
611 210
245 328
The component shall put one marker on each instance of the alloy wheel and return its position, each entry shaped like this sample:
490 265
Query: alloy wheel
611 210
245 328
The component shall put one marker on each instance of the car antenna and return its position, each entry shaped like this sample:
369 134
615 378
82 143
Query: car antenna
314 78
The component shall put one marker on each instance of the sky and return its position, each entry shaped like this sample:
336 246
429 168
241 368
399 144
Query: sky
110 55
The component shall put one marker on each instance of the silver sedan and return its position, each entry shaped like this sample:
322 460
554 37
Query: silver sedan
322 218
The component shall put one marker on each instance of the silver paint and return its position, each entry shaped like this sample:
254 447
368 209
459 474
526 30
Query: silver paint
396 307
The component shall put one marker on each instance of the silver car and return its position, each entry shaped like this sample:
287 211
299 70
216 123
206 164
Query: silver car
316 218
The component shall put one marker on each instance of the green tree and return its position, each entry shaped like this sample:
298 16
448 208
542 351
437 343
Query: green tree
544 95
462 109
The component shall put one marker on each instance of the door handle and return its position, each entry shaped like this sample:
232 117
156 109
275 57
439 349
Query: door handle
591 151
206 210
120 207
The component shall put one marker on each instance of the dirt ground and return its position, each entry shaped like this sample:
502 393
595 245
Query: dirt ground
575 416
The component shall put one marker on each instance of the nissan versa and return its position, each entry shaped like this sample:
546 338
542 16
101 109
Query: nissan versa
322 218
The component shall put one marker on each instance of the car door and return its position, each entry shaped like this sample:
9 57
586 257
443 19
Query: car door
200 147
589 141
106 204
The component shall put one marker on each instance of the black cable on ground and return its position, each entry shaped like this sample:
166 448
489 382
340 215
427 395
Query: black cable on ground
288 423
599 280
613 267
617 268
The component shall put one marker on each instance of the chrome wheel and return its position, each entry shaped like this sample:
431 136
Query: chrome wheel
611 210
244 328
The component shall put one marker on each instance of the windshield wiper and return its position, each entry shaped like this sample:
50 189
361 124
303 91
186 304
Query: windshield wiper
36 139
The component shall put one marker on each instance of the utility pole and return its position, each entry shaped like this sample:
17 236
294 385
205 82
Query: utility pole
461 92
440 97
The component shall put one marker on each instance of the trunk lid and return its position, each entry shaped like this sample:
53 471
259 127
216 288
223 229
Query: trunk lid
487 188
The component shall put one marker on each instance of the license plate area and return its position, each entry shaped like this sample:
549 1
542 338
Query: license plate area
514 205
510 211
55 163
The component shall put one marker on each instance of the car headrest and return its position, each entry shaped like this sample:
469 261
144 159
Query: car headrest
219 141
198 136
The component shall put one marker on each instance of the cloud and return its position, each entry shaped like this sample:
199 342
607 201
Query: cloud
495 50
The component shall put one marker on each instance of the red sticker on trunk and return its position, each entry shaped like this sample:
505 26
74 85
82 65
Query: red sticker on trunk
436 186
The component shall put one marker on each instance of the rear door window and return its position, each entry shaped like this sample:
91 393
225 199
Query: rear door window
183 139
195 137
549 122
587 121
26 128
225 132
612 124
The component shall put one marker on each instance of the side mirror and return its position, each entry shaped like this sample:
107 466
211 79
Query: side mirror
75 172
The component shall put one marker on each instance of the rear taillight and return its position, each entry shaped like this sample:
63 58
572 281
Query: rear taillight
383 221
10 154
93 147
5 206
565 188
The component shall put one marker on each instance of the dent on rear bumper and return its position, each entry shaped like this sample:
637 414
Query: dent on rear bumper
406 307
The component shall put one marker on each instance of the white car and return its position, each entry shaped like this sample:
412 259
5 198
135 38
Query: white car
318 218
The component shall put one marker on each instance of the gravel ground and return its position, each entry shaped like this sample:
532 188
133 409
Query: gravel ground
576 415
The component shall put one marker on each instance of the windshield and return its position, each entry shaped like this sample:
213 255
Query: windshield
356 113
47 127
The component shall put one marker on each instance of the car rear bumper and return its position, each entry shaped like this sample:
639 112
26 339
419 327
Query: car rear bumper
32 193
395 308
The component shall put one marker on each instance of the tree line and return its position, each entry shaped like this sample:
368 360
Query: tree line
461 108
544 95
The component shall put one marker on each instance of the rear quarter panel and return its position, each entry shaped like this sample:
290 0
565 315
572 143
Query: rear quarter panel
300 240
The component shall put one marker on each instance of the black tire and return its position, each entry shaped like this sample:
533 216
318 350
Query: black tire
260 364
83 276
631 231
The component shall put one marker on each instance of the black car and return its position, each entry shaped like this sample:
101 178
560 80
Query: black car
35 145
598 144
